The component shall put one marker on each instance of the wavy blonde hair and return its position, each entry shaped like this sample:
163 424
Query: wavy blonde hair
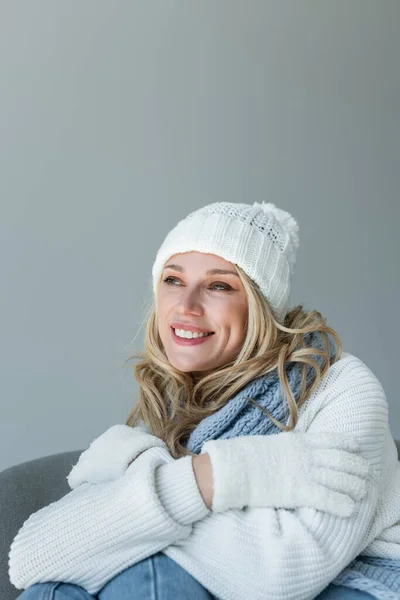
268 345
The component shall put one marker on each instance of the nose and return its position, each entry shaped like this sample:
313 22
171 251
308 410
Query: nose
190 302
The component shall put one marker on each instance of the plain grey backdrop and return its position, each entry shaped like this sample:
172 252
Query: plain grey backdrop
118 118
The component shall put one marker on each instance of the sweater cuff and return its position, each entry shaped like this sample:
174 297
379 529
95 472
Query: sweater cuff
178 491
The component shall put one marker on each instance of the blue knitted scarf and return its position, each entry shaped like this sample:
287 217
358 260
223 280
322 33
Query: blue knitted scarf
376 576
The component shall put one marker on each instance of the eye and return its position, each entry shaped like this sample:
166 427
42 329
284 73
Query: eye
166 280
224 285
169 281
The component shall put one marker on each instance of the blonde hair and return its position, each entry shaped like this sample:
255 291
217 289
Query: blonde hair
268 345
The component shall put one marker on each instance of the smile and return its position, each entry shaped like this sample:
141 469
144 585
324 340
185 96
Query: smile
194 340
184 333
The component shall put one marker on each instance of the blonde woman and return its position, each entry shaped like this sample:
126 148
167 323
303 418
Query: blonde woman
258 461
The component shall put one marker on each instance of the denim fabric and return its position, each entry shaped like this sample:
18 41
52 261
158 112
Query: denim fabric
156 578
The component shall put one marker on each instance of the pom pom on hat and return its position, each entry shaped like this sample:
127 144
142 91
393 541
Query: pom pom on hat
285 219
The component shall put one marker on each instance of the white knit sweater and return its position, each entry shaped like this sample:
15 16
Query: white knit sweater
97 530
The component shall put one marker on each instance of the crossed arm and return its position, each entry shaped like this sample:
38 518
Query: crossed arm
98 530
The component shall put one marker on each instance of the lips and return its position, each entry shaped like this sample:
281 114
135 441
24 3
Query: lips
189 341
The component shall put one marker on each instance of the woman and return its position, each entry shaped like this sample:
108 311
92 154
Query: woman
258 462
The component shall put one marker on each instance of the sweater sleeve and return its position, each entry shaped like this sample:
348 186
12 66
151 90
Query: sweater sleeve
97 530
296 553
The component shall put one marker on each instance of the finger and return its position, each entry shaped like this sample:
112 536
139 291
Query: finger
351 485
341 460
334 503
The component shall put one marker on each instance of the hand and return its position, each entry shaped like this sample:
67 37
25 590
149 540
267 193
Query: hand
109 455
288 470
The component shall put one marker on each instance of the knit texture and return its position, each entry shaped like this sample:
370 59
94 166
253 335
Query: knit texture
260 238
96 531
380 532
238 417
380 577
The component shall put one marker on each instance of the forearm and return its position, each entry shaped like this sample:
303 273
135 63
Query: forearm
97 530
204 478
292 553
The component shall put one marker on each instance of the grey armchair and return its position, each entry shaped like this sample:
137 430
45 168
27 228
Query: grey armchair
24 489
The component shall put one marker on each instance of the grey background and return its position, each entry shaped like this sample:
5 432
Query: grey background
117 118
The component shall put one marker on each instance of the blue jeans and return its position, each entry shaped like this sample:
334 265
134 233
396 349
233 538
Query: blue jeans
157 577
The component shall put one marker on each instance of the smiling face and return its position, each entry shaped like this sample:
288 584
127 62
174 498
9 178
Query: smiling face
201 293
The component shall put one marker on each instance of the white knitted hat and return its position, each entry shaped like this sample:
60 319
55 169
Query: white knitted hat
260 238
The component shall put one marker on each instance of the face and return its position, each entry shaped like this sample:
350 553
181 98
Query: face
197 295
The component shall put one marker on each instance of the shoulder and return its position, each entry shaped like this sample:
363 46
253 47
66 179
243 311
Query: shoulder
348 390
347 370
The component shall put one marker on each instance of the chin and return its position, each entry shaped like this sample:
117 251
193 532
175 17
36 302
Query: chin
188 368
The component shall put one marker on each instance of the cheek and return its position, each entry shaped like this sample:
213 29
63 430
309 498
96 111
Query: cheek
239 313
235 320
163 310
163 331
241 322
160 318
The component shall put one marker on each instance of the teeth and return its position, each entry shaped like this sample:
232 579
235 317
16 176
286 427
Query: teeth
183 333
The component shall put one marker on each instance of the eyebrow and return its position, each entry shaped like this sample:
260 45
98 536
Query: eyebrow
210 272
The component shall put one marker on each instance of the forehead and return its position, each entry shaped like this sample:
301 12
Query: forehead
199 261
